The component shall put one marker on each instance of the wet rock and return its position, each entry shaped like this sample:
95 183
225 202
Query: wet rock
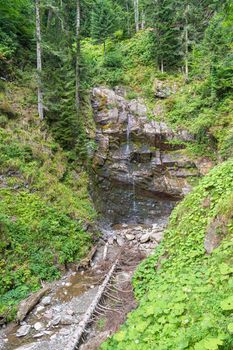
130 237
111 240
120 241
56 320
38 335
145 238
46 300
67 320
70 312
40 308
68 284
48 314
38 326
156 236
47 332
23 331
138 228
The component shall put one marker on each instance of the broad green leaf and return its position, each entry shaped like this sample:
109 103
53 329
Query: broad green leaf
227 304
230 327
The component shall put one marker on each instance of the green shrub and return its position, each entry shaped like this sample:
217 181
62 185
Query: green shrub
113 59
3 121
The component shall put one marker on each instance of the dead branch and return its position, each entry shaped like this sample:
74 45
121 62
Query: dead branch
123 291
105 251
108 309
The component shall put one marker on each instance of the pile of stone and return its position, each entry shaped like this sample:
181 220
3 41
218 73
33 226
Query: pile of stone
144 237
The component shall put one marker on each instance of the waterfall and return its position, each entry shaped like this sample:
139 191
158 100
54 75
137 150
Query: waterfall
134 195
130 173
128 130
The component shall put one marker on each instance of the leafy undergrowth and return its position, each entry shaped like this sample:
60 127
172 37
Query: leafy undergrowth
185 295
210 121
44 203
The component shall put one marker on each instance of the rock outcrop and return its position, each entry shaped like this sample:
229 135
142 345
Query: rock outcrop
140 166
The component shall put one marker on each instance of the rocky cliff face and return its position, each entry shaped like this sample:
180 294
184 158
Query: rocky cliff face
140 167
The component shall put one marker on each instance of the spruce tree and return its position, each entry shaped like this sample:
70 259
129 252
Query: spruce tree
103 21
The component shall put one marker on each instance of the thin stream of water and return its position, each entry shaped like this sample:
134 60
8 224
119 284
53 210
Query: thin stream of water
134 196
130 175
128 136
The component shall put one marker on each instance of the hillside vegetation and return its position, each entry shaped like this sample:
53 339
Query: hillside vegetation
178 57
44 202
185 290
186 295
203 104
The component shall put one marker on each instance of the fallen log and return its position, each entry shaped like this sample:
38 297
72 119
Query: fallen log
80 330
86 262
28 304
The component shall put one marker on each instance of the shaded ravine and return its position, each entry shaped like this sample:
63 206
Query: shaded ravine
53 321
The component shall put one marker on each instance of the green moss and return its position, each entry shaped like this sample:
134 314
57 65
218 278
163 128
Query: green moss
185 295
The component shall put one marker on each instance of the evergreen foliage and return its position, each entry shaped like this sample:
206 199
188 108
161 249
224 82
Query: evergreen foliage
103 21
16 33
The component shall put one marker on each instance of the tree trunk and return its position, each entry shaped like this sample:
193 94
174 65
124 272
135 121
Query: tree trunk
39 61
77 77
186 55
128 19
136 14
162 66
49 17
143 23
186 36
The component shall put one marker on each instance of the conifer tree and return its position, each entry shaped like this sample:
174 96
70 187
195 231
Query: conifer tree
77 68
103 21
160 16
39 61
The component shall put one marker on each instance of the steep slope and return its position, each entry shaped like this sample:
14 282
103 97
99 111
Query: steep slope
186 287
45 207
